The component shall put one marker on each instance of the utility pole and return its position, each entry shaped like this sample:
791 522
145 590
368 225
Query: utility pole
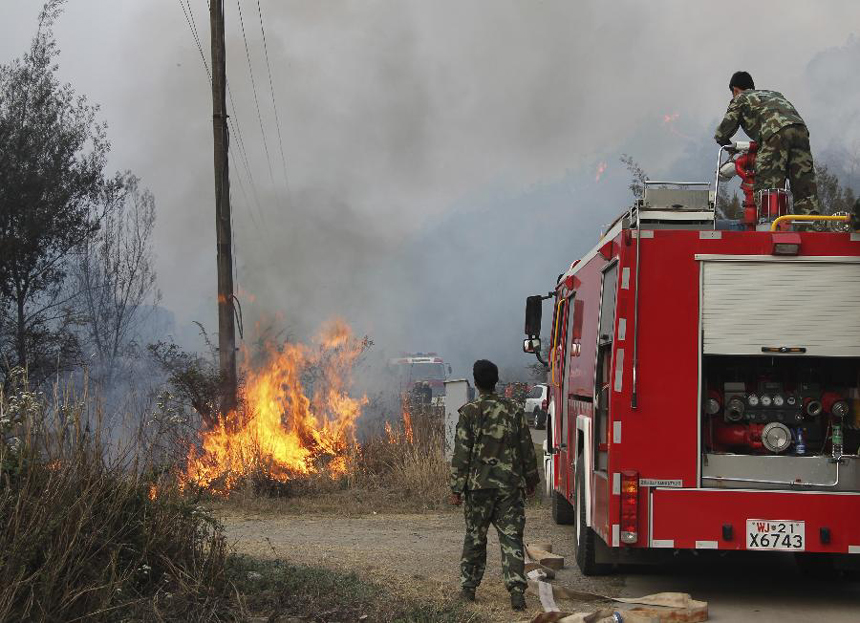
226 326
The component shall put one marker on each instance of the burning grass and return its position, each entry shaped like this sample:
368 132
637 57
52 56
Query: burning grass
297 418
387 473
294 437
87 538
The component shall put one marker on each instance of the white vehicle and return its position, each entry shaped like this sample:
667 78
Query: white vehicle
536 405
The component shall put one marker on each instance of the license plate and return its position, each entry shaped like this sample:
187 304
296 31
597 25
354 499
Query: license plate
776 535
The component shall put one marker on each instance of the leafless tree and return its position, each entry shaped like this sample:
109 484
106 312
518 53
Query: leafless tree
116 275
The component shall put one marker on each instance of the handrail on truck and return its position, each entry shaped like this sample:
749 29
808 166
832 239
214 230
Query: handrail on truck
806 217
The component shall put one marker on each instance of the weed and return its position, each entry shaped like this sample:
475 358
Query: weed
274 589
82 537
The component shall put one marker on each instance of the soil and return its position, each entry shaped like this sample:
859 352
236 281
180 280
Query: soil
414 555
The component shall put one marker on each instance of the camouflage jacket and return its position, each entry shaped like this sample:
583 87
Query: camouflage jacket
493 448
760 113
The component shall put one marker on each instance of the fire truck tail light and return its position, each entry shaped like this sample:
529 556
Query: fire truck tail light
629 506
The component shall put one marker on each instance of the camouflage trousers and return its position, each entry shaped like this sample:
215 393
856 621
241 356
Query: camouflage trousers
505 509
786 156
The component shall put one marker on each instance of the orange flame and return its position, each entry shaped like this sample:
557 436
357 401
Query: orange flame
669 122
281 430
601 168
153 492
397 436
407 424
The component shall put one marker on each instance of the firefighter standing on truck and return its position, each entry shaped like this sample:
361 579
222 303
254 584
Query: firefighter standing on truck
774 124
494 466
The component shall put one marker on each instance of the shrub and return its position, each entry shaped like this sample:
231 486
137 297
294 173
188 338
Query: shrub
82 536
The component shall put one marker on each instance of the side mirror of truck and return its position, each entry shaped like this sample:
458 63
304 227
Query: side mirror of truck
531 345
534 314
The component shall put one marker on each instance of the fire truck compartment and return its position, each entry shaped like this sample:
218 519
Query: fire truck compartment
801 302
722 519
780 472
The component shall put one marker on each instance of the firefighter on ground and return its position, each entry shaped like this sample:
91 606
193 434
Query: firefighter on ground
782 138
494 468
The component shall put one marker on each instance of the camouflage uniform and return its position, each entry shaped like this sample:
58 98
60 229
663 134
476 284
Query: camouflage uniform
783 143
494 460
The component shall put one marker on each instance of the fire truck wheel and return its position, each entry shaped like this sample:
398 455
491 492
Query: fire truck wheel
562 510
586 538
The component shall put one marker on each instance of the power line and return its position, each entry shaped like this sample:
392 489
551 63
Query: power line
254 89
274 104
233 121
243 152
192 24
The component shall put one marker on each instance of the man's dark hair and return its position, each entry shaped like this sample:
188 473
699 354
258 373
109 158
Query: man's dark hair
741 80
486 374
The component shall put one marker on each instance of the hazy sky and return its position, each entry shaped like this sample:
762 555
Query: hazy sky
441 156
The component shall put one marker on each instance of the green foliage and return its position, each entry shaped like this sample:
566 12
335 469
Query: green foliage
81 537
194 380
729 207
832 196
52 187
638 176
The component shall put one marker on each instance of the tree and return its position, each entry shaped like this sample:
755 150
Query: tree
728 206
52 180
115 275
194 380
637 183
832 196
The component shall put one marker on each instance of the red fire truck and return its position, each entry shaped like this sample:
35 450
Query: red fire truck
704 381
421 373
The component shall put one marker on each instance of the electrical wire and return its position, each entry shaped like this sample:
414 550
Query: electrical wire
254 89
274 104
232 121
192 26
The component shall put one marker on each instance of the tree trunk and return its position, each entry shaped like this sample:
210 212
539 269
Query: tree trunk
21 332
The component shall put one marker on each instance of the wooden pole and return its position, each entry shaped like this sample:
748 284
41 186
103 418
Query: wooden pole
223 230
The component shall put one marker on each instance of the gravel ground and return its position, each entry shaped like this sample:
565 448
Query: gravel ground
416 555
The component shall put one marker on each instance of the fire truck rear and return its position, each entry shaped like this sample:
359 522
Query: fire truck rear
421 376
704 381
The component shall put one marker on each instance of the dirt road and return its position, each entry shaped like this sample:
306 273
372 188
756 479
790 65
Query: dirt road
415 554
418 555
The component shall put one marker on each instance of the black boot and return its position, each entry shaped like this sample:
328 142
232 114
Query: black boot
518 601
467 593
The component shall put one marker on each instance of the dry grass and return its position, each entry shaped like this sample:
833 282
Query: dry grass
86 538
80 537
389 473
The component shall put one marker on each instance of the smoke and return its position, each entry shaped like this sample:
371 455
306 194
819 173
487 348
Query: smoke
440 157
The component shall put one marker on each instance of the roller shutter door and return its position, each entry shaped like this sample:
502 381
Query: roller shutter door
747 305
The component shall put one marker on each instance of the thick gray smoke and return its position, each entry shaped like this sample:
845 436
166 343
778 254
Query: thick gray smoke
442 156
